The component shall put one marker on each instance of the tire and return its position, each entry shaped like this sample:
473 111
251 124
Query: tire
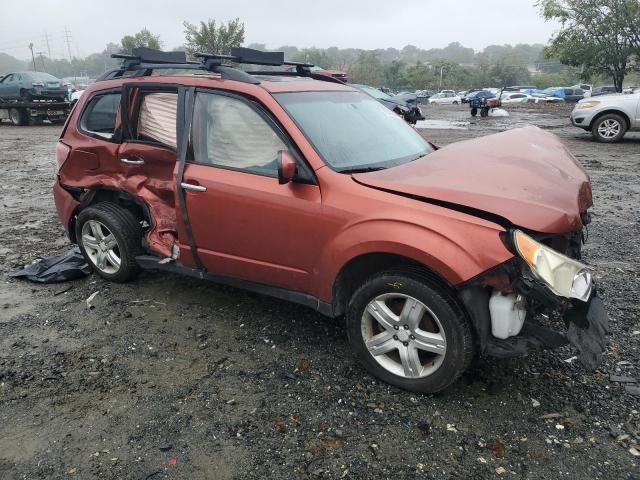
105 225
455 103
440 322
484 112
18 116
609 128
474 112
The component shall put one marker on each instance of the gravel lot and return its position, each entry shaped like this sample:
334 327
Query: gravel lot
173 378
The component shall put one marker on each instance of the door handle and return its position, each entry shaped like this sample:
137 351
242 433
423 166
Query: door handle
132 161
191 186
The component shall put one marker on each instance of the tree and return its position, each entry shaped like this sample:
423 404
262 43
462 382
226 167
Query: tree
367 70
598 36
208 37
144 38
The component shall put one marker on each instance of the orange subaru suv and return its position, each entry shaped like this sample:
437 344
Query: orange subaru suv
296 185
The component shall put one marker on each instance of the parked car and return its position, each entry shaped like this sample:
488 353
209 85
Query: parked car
465 98
544 98
28 86
309 190
585 87
448 91
608 117
423 95
445 99
573 94
404 104
515 97
605 90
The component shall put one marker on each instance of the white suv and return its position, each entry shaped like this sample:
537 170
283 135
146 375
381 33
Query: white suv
608 117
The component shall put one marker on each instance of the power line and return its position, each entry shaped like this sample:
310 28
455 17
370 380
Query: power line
46 40
67 37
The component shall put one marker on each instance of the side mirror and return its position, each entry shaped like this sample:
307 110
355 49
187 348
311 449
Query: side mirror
286 167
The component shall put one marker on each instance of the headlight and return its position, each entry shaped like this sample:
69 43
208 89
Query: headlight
585 105
565 276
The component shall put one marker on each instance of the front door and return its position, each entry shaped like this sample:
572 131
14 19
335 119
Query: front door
245 224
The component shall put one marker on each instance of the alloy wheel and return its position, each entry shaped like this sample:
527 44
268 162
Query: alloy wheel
609 128
101 246
403 335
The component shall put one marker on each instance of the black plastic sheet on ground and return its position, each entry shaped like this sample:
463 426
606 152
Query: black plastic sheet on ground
62 268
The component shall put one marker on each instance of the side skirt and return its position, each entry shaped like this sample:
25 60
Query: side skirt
149 262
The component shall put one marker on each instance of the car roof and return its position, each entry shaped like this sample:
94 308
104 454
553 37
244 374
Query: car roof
270 83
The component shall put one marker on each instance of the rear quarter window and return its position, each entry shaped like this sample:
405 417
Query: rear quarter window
99 117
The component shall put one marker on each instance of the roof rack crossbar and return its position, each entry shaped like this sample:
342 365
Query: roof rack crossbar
145 60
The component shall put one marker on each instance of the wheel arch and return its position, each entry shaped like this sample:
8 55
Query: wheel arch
119 197
358 269
626 117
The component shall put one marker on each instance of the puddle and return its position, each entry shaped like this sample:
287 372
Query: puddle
442 125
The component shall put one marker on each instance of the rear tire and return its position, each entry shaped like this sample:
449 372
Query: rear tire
609 128
484 112
423 341
18 116
110 238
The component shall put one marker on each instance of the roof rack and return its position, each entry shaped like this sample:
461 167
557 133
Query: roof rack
143 61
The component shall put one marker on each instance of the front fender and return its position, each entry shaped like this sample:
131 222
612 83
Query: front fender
456 252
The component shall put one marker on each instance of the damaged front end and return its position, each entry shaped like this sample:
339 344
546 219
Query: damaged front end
542 298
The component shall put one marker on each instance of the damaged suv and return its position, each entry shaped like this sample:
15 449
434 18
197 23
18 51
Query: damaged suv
298 186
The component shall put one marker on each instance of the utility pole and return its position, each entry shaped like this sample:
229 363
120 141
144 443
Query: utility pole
46 41
33 57
67 37
441 75
41 58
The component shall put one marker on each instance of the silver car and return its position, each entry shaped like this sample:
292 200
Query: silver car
608 117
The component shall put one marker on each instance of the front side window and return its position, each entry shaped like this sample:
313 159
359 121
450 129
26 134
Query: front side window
99 118
229 133
157 118
352 131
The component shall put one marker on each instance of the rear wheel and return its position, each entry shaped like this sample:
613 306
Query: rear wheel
18 116
609 128
455 103
110 238
484 112
408 333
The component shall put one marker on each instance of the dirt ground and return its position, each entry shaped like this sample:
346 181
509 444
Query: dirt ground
172 378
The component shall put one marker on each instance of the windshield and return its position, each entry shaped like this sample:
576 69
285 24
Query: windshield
352 131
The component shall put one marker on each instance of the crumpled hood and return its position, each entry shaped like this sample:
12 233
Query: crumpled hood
526 176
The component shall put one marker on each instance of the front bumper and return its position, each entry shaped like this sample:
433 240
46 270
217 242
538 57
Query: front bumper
551 321
588 328
581 119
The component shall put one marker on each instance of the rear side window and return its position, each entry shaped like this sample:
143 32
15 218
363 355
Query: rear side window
99 118
157 119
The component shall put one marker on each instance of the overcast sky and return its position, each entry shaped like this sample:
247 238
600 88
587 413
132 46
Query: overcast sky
364 24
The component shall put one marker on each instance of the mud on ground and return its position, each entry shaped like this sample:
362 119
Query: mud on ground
169 377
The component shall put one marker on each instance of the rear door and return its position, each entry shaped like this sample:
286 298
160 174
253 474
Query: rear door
243 223
146 158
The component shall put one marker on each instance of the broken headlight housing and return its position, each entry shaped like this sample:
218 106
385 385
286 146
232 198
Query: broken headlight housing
565 276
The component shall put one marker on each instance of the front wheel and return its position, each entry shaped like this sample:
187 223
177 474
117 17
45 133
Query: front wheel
110 238
609 128
407 332
455 103
474 112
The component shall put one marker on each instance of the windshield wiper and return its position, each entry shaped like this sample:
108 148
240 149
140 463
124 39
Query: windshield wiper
362 169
